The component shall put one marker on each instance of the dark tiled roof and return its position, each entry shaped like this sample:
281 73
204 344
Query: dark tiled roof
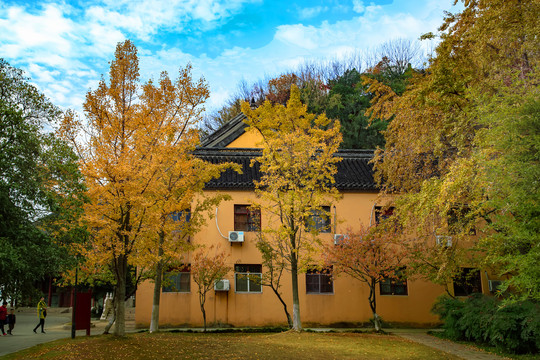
354 170
226 134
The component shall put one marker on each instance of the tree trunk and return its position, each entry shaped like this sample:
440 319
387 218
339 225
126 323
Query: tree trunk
373 305
297 324
120 291
154 320
202 300
289 319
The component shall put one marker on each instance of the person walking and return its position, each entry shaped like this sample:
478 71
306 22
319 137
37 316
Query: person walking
3 317
11 321
42 313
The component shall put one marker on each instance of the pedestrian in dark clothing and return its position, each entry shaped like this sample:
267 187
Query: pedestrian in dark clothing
3 316
11 321
42 313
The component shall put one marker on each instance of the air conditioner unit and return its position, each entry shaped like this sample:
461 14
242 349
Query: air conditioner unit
443 240
494 285
338 238
236 236
221 285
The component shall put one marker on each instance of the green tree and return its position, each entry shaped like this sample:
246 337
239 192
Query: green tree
449 153
348 102
40 187
298 167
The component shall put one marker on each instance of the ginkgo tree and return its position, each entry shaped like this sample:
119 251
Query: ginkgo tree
459 151
297 176
135 156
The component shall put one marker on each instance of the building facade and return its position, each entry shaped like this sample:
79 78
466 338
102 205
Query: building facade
324 301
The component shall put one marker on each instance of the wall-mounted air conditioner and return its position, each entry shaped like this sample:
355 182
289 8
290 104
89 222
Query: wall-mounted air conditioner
236 236
494 285
338 238
443 240
221 285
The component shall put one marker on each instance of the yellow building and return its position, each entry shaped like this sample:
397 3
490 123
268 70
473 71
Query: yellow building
323 301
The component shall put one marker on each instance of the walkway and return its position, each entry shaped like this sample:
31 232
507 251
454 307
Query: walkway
460 350
55 328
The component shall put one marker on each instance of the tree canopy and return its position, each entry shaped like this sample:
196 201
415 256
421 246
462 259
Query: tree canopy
298 167
459 147
140 172
41 192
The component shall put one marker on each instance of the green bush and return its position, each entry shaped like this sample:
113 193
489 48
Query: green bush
514 328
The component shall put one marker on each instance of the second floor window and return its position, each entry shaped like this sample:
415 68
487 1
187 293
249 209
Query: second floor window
319 220
246 218
383 213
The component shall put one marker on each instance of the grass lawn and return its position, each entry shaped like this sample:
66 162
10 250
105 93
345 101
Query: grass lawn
288 345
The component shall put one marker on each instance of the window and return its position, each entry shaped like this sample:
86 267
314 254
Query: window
319 220
177 280
467 282
395 285
181 216
383 213
319 281
246 218
459 220
248 278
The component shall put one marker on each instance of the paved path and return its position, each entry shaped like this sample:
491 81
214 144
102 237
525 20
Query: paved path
56 327
462 351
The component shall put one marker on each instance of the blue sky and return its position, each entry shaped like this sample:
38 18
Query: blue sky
65 45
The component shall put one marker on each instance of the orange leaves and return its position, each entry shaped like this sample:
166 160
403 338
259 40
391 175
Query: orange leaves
367 255
136 155
208 264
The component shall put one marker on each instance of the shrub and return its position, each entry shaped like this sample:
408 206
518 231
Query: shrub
512 327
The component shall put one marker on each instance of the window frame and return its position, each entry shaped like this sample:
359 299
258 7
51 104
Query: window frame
252 216
464 284
399 281
456 218
319 220
247 271
383 213
180 273
319 274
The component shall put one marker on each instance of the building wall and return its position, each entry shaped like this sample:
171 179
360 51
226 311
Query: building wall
249 139
347 305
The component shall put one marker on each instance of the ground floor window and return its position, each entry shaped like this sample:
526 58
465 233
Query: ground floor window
394 285
467 282
177 279
319 281
247 278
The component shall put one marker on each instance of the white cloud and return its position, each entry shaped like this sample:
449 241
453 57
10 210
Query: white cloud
65 55
308 13
28 32
358 6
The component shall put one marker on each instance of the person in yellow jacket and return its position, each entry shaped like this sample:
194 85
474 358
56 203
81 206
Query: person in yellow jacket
42 313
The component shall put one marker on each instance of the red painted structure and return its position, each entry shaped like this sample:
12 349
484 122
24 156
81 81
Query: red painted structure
82 310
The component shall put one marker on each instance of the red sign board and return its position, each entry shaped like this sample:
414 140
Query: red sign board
82 310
